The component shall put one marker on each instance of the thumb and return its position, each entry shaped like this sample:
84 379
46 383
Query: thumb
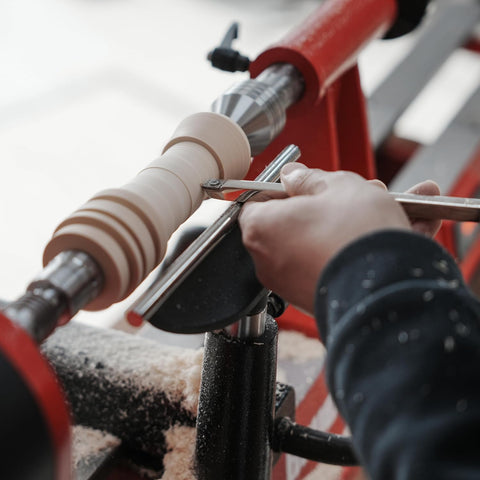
300 180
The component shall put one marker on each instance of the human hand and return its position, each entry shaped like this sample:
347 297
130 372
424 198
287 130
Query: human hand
292 239
427 227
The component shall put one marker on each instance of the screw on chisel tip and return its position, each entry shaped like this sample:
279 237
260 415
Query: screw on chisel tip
214 182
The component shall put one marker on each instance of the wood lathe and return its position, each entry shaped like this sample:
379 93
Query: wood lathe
304 91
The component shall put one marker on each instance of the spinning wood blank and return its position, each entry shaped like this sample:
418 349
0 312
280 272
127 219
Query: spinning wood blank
126 229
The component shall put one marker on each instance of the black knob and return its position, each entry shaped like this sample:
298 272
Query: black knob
225 57
276 305
410 14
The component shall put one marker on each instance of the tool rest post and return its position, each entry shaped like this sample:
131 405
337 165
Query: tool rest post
236 405
253 325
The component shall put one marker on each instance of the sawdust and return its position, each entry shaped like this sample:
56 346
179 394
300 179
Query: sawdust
298 347
89 443
325 472
178 461
139 362
282 376
330 472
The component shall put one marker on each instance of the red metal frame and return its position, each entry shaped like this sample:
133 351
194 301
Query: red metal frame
37 374
466 186
329 123
473 44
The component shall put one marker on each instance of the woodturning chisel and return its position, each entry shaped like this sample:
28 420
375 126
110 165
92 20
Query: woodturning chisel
428 207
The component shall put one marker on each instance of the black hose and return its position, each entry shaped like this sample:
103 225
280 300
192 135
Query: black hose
305 442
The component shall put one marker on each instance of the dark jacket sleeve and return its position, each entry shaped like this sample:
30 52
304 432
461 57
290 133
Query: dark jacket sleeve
403 338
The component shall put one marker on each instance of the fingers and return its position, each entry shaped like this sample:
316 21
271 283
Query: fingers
300 180
265 196
280 238
428 187
291 240
249 214
426 227
378 183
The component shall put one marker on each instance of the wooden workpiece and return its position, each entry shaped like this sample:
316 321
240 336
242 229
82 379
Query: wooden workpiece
126 229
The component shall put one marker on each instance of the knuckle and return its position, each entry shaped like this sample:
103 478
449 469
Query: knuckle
344 176
250 235
301 179
252 226
313 181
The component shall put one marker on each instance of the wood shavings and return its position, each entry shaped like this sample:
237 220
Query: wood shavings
89 443
325 472
178 461
144 364
282 375
132 387
298 347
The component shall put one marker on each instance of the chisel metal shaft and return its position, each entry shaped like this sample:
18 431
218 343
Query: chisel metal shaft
428 207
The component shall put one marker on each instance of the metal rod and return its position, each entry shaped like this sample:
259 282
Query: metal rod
253 324
216 185
67 284
148 303
439 207
428 207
